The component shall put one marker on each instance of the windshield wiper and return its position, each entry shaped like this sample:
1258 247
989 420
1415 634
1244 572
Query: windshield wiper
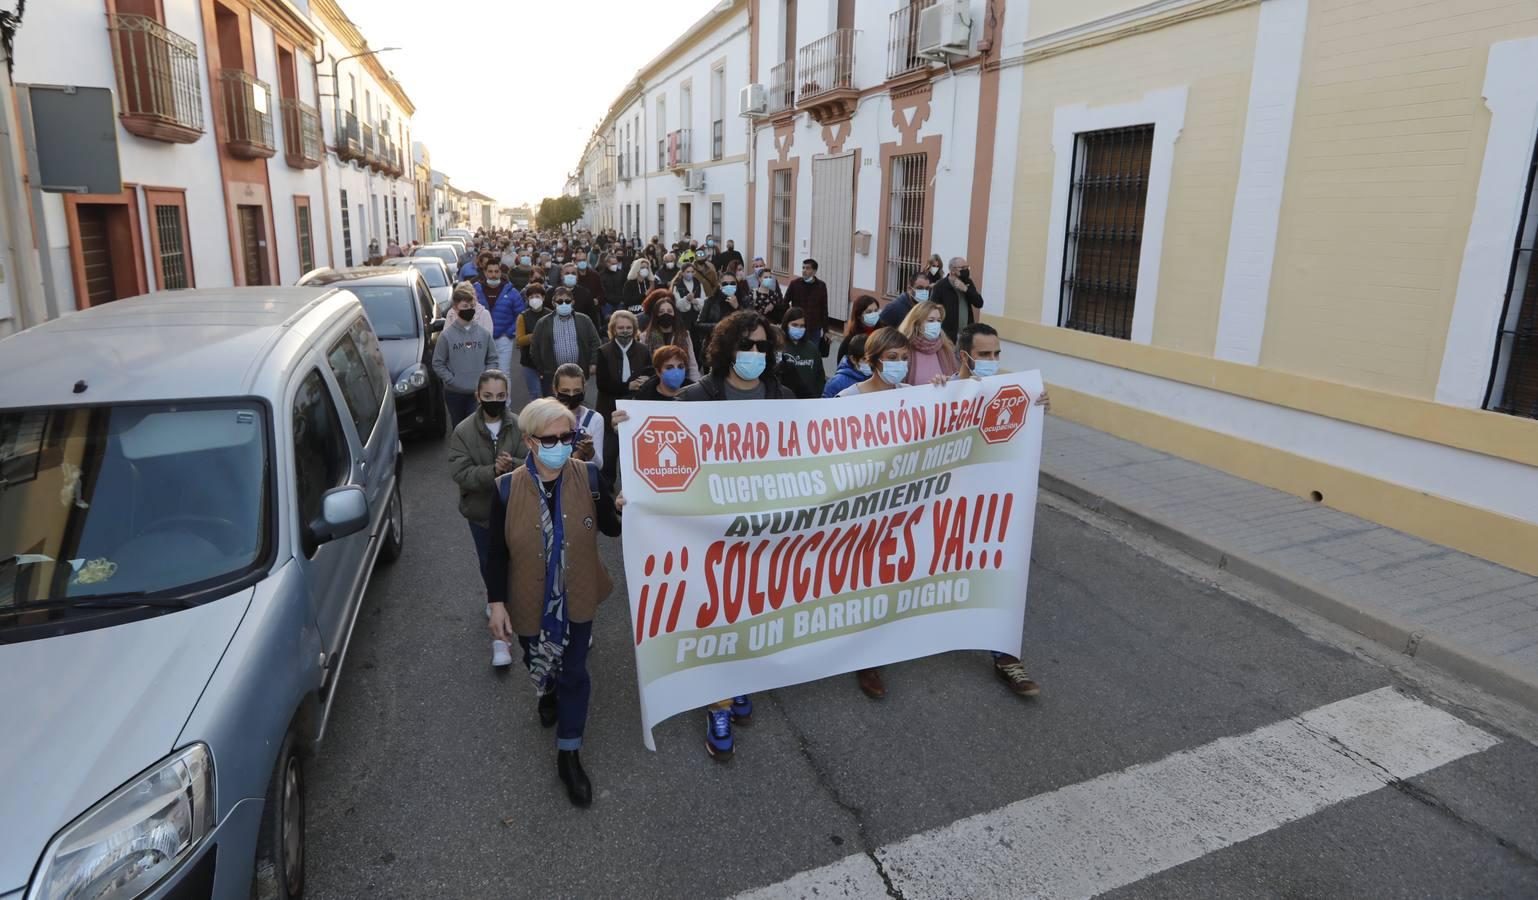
125 600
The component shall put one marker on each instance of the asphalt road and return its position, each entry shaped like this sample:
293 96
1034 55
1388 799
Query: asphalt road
436 780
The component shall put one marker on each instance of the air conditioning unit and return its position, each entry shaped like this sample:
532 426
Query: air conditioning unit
695 181
945 30
753 101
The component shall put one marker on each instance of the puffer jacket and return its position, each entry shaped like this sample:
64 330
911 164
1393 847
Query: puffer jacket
504 309
472 462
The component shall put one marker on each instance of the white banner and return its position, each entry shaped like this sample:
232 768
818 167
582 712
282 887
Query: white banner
772 543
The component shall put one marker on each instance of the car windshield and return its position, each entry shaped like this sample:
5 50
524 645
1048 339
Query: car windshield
391 310
140 500
433 274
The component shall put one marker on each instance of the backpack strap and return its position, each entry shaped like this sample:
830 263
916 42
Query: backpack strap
592 479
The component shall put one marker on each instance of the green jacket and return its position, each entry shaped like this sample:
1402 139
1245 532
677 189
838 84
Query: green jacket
473 459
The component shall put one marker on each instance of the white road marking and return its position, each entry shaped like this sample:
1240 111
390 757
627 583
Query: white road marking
1098 835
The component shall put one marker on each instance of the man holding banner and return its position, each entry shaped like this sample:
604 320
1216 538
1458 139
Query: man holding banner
820 539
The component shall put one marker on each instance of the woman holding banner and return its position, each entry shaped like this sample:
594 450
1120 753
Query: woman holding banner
545 576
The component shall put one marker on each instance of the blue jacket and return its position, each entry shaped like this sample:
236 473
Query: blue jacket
846 375
468 271
504 310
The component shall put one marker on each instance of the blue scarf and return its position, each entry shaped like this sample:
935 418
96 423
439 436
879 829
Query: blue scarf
546 652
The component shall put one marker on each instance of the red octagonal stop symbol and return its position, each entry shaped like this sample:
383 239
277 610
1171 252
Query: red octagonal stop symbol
1005 413
666 454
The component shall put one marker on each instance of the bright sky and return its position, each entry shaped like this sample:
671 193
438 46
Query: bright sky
547 68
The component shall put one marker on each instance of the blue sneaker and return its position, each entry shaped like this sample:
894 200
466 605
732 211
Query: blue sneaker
742 710
718 733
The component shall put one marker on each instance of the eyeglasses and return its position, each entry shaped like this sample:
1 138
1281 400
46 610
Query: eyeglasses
550 440
763 346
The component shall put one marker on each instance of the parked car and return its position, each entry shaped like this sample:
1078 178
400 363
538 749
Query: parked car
435 273
405 318
448 253
196 488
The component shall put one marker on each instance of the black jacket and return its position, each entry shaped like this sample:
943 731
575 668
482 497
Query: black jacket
944 293
713 387
611 385
648 391
716 309
613 284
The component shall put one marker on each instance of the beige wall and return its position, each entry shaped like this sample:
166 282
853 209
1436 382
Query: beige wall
1055 15
1387 145
1206 161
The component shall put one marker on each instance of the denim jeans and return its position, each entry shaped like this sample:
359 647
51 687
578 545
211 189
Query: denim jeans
573 687
482 538
531 382
460 406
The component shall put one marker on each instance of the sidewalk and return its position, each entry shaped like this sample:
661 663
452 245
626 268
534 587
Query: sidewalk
1469 617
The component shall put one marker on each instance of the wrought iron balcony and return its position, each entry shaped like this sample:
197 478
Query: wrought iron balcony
678 148
825 65
349 140
301 134
247 104
370 149
159 91
782 86
902 55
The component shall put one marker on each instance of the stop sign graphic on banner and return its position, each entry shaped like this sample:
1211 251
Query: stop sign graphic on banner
666 454
1005 414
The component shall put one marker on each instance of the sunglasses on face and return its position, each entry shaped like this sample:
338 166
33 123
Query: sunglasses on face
550 440
763 346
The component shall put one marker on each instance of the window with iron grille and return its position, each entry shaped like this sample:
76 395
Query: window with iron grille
346 232
717 217
906 197
173 251
779 222
1105 230
306 244
1514 377
662 220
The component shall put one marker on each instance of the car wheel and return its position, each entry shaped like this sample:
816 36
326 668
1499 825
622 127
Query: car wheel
280 843
395 541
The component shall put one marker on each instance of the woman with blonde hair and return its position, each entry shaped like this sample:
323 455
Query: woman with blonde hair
931 352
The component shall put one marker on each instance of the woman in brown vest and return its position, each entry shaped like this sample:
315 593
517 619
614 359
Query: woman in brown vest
545 575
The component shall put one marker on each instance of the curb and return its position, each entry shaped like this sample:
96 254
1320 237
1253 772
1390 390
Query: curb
1454 657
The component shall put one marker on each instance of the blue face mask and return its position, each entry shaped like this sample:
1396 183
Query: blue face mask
673 378
797 332
894 371
554 457
982 368
563 309
493 282
569 280
863 368
809 278
932 330
582 265
921 294
871 318
729 290
523 260
749 365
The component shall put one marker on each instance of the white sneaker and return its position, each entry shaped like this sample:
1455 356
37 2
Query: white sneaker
501 654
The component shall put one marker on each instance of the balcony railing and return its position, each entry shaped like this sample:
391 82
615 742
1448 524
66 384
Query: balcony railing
678 148
370 150
782 86
349 140
717 138
903 39
247 114
157 79
301 134
824 65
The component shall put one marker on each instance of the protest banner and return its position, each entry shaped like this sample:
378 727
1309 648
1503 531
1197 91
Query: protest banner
772 543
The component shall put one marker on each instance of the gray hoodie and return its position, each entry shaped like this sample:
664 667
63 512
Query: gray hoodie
461 355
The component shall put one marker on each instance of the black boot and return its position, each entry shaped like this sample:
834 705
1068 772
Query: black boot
547 711
569 766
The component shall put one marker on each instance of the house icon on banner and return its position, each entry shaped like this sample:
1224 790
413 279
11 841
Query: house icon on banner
1005 417
667 457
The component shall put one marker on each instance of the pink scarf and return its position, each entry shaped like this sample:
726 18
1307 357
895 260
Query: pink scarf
938 348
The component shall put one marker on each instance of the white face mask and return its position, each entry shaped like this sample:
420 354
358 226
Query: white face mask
646 273
535 302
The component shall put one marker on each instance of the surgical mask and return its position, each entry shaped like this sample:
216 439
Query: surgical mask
688 278
563 309
921 294
614 267
554 457
863 368
535 302
931 330
894 371
871 318
710 243
935 271
569 280
494 408
582 265
749 365
673 378
809 278
523 260
466 314
982 368
729 290
645 272
797 332
493 282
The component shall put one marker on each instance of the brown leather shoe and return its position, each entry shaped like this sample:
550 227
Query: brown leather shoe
870 683
1013 673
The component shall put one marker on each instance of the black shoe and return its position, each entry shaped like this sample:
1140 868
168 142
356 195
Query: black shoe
547 712
578 789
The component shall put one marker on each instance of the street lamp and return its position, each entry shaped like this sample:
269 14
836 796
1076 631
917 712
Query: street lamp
337 85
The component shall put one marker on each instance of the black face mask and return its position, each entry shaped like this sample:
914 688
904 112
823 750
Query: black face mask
494 408
570 401
467 314
966 274
665 321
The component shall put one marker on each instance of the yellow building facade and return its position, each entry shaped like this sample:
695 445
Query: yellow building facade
1290 239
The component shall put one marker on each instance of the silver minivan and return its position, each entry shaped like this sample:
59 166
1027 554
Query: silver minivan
194 489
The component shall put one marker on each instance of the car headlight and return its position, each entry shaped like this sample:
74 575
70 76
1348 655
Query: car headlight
412 379
125 844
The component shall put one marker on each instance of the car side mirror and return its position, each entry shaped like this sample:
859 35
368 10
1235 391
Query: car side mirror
436 326
343 512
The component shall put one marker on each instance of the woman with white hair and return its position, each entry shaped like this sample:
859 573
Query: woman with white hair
640 282
546 577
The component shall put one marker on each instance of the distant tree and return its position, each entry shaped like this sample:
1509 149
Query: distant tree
556 212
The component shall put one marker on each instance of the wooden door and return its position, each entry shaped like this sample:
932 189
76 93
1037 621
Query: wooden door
96 255
252 245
